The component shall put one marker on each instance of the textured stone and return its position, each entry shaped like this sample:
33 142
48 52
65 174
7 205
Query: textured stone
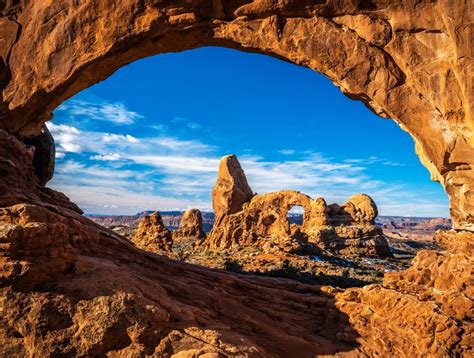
347 229
152 235
439 288
44 155
231 190
190 227
409 61
70 287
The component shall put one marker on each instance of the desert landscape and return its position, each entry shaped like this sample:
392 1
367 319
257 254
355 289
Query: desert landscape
342 251
250 278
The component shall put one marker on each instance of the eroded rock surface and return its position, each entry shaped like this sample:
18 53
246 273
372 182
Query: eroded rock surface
261 220
411 61
231 190
69 286
190 227
152 235
434 298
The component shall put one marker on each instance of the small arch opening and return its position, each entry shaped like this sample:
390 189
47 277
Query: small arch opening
295 215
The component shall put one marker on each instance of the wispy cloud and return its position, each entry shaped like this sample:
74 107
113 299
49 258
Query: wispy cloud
66 139
124 172
105 157
101 110
373 160
287 151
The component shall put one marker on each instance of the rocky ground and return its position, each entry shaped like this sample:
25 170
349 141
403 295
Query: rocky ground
405 235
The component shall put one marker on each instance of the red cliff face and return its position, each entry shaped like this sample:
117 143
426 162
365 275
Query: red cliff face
71 287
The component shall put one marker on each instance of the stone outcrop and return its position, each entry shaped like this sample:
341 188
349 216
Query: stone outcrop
434 298
190 227
262 219
407 60
231 190
70 287
44 155
152 235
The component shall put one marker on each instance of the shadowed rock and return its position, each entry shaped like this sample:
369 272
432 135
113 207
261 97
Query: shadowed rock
44 155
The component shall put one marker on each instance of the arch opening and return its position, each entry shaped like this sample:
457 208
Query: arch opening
295 215
110 134
406 60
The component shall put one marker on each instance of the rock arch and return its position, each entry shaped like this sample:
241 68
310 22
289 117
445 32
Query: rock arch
406 60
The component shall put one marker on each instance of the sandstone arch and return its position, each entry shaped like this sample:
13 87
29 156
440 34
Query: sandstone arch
410 61
295 209
261 220
407 60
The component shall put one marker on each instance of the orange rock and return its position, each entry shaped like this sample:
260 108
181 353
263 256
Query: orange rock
152 235
349 229
231 190
190 226
70 287
404 60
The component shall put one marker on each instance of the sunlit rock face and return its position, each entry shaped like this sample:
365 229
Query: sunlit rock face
410 61
69 286
244 219
190 227
152 235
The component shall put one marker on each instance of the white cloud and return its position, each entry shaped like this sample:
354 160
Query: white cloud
133 173
112 200
119 137
100 110
287 151
194 125
106 157
374 160
66 138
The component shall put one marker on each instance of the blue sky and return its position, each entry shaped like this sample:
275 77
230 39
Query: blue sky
150 137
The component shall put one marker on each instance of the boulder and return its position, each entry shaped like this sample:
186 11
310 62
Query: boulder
190 226
361 208
152 235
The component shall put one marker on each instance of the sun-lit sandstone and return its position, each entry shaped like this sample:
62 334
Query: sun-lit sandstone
244 219
70 287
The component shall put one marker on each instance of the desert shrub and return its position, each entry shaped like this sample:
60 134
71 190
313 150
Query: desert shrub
232 266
